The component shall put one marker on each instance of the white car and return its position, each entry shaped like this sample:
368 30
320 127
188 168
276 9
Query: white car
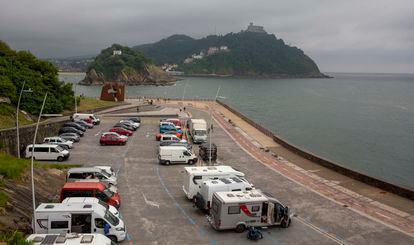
66 144
107 169
134 124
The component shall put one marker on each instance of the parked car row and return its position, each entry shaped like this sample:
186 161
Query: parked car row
231 201
118 134
88 205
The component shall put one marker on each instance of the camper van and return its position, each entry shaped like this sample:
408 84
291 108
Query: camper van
88 200
59 218
90 173
176 154
69 239
239 209
90 189
198 130
194 177
83 116
209 187
47 152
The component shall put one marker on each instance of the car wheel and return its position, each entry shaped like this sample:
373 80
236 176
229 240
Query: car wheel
167 163
240 228
60 159
285 223
113 239
102 143
190 162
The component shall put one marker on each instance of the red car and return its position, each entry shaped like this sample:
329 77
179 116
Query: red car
88 120
121 131
113 139
176 121
90 189
158 135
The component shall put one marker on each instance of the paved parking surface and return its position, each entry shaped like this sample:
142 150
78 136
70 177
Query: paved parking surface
156 211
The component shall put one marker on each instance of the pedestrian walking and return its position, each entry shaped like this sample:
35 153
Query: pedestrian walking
211 127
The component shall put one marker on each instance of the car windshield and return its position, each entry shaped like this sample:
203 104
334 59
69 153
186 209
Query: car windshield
103 204
104 173
63 140
112 219
200 132
59 148
108 193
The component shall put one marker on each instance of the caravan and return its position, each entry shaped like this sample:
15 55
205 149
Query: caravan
69 239
241 209
194 177
58 218
209 187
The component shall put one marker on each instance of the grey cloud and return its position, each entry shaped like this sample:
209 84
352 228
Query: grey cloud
352 35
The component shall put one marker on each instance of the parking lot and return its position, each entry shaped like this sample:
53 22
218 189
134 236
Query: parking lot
156 211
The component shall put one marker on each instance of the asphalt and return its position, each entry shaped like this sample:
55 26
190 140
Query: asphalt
156 211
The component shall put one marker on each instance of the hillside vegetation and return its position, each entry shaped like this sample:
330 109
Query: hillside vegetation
40 76
250 54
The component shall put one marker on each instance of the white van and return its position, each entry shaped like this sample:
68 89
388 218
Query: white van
82 116
90 173
88 200
194 177
69 239
175 154
198 130
171 138
47 152
240 209
209 187
57 218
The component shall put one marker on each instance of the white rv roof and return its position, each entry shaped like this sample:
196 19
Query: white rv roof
69 239
212 169
81 200
71 207
226 181
194 121
241 196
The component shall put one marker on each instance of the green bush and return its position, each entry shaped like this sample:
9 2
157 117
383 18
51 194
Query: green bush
14 238
12 167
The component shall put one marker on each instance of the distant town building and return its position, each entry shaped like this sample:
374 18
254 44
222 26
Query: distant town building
197 56
212 50
224 48
253 28
117 52
188 60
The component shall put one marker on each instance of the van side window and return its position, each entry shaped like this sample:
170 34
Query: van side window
53 150
255 208
236 190
196 178
78 194
75 176
41 149
59 224
234 210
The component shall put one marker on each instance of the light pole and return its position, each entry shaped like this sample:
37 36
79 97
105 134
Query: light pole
211 120
76 102
31 165
17 117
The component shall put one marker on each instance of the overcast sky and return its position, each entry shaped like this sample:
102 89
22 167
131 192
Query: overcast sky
340 35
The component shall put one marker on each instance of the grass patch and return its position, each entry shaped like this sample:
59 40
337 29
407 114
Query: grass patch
11 167
15 238
3 199
8 117
91 103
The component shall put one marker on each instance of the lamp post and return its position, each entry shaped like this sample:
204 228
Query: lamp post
76 102
211 121
17 117
31 165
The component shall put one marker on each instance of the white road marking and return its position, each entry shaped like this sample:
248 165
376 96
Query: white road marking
319 230
154 204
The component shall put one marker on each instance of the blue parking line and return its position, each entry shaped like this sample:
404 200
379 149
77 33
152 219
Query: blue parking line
202 231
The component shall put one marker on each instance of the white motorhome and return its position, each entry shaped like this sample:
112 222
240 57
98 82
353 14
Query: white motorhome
209 187
69 239
194 177
198 130
87 200
82 116
90 173
57 218
176 154
47 152
241 209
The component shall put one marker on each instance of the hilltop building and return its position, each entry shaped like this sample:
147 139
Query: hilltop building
117 52
257 29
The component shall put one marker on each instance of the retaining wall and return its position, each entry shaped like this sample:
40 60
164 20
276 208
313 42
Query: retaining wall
324 162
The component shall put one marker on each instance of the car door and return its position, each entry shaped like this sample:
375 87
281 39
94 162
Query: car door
59 223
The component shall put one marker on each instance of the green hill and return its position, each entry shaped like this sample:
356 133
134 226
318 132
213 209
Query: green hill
247 54
40 76
123 64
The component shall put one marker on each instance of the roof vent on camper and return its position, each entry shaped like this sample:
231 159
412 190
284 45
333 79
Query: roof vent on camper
37 239
49 239
50 206
211 168
87 206
230 195
225 181
255 195
61 239
214 182
87 239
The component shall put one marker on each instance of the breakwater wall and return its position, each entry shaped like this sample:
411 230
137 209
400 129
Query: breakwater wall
401 191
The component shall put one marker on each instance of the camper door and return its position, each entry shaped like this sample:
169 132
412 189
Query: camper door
59 223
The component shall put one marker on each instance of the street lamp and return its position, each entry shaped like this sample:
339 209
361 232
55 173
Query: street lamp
17 116
211 120
31 165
